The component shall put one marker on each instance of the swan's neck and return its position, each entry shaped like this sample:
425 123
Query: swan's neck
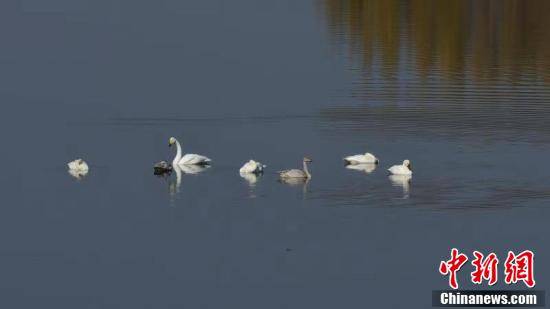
177 158
306 170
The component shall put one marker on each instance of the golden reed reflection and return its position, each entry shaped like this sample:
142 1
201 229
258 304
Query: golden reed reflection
485 39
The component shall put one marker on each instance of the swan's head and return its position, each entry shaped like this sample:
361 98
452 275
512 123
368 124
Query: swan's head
171 141
306 159
408 164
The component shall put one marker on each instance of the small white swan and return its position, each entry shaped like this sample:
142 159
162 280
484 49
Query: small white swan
296 173
188 159
77 174
78 168
365 167
252 167
403 169
361 159
78 165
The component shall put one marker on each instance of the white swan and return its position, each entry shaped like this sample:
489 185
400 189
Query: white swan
403 169
188 159
78 165
78 168
361 159
365 167
252 167
296 173
77 174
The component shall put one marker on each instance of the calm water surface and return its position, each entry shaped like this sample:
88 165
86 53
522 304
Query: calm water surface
461 89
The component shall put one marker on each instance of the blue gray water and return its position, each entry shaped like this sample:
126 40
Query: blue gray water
111 81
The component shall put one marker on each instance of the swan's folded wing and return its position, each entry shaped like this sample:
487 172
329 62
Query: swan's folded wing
192 158
72 165
192 168
399 170
78 165
248 167
354 159
370 158
292 173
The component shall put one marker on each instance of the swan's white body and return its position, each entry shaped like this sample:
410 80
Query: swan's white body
188 159
78 165
252 167
295 181
361 159
192 169
192 159
365 167
296 173
403 169
78 168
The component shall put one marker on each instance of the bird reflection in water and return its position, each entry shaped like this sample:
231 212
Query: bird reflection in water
251 179
365 167
403 181
296 182
180 170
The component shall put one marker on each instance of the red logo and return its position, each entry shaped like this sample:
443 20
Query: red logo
452 266
485 268
518 267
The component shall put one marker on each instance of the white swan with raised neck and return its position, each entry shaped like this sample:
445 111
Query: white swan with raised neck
187 159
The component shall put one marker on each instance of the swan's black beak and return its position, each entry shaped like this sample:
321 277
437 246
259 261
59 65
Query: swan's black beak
169 145
410 167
